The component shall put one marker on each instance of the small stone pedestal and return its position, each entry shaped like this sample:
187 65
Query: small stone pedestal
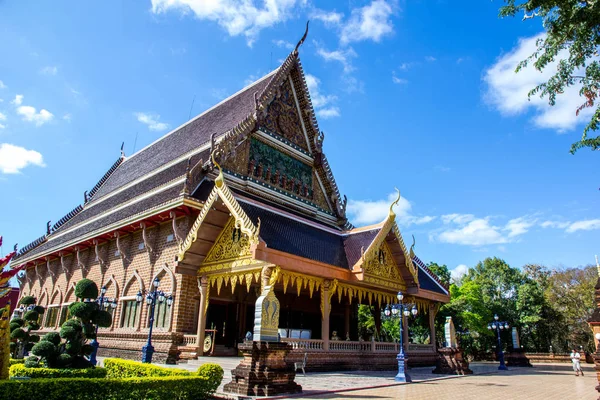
451 361
517 358
263 371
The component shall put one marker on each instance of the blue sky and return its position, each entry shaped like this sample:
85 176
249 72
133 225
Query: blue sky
414 95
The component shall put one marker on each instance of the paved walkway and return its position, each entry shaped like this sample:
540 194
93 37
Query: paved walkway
544 381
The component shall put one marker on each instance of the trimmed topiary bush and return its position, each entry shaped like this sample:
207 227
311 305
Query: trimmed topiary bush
52 337
86 289
14 361
21 329
214 373
20 370
159 388
119 368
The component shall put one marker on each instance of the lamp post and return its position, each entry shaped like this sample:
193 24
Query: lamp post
406 310
104 303
151 298
498 326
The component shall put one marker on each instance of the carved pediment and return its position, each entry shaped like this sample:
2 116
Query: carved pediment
380 268
231 245
281 117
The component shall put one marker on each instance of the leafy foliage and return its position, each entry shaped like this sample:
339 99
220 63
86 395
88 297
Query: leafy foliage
156 388
441 271
21 370
21 329
572 38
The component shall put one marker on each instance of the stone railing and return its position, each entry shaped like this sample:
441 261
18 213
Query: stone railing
305 344
189 340
344 346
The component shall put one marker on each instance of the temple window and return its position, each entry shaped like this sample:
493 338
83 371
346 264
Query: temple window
162 315
131 314
51 316
64 313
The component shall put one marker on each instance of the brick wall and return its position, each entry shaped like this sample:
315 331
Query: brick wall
124 275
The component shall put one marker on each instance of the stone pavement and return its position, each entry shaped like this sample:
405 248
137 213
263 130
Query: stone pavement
544 381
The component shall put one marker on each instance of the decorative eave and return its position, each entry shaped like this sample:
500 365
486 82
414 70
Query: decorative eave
371 252
242 221
421 264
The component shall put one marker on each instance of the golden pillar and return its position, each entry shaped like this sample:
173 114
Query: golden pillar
326 289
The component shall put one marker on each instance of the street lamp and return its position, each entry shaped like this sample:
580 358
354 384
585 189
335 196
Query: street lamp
498 326
103 303
405 309
151 298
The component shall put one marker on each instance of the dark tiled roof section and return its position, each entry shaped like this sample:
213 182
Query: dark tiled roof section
203 190
104 178
285 209
127 212
67 217
30 247
293 237
428 283
355 242
198 132
433 276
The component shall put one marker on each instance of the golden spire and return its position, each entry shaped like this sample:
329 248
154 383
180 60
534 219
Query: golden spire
395 203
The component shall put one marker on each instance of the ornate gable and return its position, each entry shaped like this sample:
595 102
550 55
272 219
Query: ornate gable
226 248
381 269
281 117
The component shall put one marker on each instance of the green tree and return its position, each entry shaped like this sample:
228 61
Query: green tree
22 329
441 271
86 317
572 39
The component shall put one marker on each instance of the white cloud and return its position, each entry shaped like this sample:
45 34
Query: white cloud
283 44
477 232
371 22
399 81
507 91
519 226
151 120
18 100
322 103
365 212
14 158
407 65
555 224
585 225
466 229
458 272
2 126
460 60
343 56
330 18
49 70
2 85
430 59
238 17
30 114
442 168
67 117
2 117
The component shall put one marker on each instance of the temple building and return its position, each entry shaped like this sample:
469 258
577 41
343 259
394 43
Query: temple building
241 192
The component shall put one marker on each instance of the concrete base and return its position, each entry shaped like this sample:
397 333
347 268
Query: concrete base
264 371
451 361
517 358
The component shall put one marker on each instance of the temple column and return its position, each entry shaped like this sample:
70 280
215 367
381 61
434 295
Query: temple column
347 321
325 311
203 286
432 312
377 320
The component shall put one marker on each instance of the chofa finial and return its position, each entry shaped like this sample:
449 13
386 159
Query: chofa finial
412 248
303 38
219 180
395 203
122 149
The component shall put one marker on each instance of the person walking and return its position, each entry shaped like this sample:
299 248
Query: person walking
575 358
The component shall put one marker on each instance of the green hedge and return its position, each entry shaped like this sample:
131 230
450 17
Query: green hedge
214 373
19 370
118 368
14 361
161 388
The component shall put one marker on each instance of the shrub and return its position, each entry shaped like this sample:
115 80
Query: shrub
20 370
86 289
16 361
102 318
45 349
82 310
213 372
52 337
158 388
32 362
27 300
118 368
